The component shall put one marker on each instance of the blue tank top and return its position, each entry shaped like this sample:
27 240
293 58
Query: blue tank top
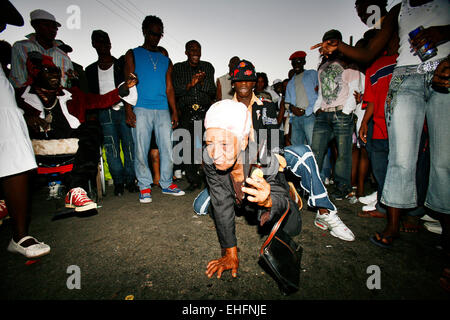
151 68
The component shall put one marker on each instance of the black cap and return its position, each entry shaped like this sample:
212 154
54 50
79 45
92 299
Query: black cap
9 14
98 34
332 35
244 71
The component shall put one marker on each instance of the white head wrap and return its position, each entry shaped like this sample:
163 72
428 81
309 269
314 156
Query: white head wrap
229 115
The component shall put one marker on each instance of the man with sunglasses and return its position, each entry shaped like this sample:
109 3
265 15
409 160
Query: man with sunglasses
155 109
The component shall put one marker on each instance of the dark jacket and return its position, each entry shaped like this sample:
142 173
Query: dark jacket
223 197
104 116
265 124
92 74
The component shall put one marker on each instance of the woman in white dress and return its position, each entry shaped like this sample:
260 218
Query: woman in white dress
16 157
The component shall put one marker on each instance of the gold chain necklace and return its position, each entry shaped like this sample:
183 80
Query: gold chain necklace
49 116
153 62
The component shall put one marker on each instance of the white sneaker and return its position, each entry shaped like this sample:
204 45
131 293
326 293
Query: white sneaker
332 222
428 218
434 227
368 199
178 174
370 207
33 251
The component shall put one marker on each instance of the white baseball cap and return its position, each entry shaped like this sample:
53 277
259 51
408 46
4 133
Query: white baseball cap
40 14
276 81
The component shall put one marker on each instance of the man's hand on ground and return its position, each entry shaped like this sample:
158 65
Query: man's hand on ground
229 261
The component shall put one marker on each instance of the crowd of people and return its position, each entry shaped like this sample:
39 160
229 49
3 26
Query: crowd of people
375 112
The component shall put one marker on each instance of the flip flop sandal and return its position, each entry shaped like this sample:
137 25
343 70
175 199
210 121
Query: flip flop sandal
380 242
371 214
444 280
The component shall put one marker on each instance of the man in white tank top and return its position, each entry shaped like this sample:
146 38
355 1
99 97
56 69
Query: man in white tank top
103 76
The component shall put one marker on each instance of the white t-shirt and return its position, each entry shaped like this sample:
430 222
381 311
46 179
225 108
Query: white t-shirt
106 83
435 13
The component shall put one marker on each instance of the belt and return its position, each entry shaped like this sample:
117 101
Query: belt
424 67
333 109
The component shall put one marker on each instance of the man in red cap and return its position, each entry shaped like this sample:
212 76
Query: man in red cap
55 113
301 94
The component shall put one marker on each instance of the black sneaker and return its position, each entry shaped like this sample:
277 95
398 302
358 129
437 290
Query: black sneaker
118 189
338 194
132 187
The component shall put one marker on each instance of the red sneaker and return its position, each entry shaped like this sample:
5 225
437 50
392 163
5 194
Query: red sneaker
3 210
77 198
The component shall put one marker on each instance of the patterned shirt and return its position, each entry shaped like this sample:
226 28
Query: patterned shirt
19 55
202 94
336 87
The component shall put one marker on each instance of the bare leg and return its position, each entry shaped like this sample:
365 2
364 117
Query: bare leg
154 156
444 219
355 164
363 168
17 201
392 228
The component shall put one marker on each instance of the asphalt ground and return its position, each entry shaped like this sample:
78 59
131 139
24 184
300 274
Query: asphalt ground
159 251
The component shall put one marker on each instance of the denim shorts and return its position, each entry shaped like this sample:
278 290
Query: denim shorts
410 101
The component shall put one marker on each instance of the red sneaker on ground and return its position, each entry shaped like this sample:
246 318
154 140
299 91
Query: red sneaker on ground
3 211
77 198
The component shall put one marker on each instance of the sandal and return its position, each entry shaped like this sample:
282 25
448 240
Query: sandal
444 280
371 214
382 241
33 251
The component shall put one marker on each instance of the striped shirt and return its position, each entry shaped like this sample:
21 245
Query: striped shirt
378 77
19 55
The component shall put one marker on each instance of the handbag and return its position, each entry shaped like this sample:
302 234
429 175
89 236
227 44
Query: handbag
280 256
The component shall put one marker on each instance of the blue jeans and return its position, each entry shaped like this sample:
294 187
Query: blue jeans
329 125
146 121
301 162
115 132
378 150
326 166
410 99
302 129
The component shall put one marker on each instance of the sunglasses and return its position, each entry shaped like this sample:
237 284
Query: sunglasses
155 34
51 69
